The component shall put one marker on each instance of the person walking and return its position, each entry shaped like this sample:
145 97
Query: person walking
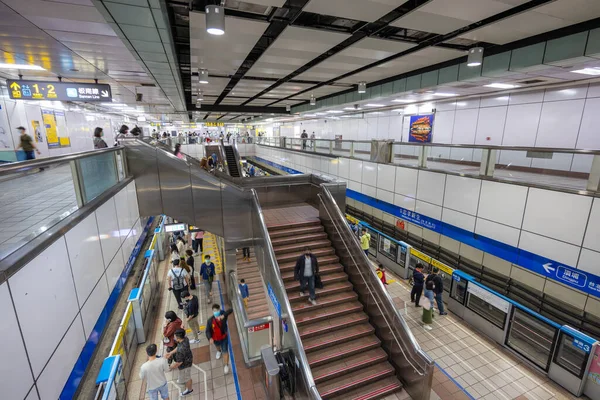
418 281
307 268
437 290
178 281
365 241
207 271
181 244
245 292
183 361
197 242
99 143
153 371
170 326
26 143
191 310
191 261
174 252
246 253
312 140
304 137
216 332
177 151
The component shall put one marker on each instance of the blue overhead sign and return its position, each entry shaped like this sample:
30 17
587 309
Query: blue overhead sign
274 300
581 345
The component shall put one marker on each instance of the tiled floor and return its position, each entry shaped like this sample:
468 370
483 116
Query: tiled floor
34 201
290 213
480 366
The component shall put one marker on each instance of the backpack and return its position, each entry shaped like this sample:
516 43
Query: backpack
178 280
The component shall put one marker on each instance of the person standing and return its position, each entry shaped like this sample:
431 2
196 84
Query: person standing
181 245
304 137
153 371
245 292
207 271
191 261
246 253
191 312
197 241
307 268
418 282
435 285
365 241
26 143
312 140
174 252
177 151
170 326
99 143
183 361
216 332
178 281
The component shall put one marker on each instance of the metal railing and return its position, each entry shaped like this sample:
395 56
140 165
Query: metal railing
575 169
397 338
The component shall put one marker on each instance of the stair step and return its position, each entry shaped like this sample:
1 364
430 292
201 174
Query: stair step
327 301
294 295
290 265
301 238
372 391
328 312
326 279
294 232
301 246
355 379
344 350
278 226
332 324
341 336
323 271
293 256
348 364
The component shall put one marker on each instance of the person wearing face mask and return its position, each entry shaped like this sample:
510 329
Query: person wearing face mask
99 143
170 326
306 271
207 271
216 332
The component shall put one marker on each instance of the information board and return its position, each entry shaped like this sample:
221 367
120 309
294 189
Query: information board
60 91
174 227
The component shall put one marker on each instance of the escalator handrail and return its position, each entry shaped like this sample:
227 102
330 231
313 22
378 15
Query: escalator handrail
379 292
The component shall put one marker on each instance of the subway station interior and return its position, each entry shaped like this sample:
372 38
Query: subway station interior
367 199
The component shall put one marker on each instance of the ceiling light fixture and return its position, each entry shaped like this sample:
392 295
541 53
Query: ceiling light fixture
475 58
440 94
362 87
215 20
374 105
288 108
313 101
501 86
200 96
352 108
335 112
403 101
203 76
594 71
29 67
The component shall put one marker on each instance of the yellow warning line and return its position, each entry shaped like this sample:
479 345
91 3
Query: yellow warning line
210 247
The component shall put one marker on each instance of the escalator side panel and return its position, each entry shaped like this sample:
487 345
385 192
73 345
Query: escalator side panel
141 162
176 187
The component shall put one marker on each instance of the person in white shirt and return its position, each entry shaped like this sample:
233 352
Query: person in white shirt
178 281
153 371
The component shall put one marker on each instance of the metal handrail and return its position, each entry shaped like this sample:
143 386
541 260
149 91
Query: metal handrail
248 323
382 290
22 166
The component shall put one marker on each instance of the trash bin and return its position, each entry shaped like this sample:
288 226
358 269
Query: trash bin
270 369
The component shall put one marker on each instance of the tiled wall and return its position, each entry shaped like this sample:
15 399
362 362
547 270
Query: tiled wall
50 306
560 226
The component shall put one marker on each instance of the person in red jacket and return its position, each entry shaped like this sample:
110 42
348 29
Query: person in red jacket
216 332
172 323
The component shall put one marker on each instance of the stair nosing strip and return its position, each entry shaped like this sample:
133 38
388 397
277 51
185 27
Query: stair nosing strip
380 390
355 348
354 383
383 357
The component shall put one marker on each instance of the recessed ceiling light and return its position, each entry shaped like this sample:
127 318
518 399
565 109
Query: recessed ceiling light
441 94
595 71
352 108
335 112
501 86
461 104
403 101
374 105
321 113
22 66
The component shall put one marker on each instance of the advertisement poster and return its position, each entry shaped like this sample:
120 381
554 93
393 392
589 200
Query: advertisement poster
421 129
37 132
51 130
594 371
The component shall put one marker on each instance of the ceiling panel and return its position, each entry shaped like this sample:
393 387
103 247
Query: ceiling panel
361 10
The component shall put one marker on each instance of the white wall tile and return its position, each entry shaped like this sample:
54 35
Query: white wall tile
428 209
593 90
85 256
501 202
386 196
333 167
468 103
430 187
32 394
404 202
123 216
445 106
108 227
324 165
369 173
499 232
443 126
491 124
43 290
52 380
559 124
588 261
553 249
369 190
494 101
522 124
462 194
355 171
465 126
588 135
94 305
570 93
592 234
114 270
526 97
16 375
543 215
458 219
354 186
386 177
406 181
344 167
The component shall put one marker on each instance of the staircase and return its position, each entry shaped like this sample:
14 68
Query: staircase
232 165
258 306
345 356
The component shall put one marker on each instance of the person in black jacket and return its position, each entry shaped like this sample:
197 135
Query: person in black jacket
307 268
191 310
419 281
216 332
438 289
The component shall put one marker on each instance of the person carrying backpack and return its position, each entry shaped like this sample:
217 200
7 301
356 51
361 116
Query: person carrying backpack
207 271
178 280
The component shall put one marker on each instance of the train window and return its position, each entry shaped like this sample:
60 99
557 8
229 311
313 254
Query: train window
531 338
570 357
459 289
486 310
388 248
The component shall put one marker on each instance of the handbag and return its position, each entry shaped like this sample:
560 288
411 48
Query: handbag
318 282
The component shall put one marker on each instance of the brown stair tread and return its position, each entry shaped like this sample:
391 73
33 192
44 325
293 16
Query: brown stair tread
275 226
332 324
348 364
293 256
326 279
323 270
327 301
355 379
337 352
300 238
295 231
372 391
337 337
294 295
328 312
313 244
290 265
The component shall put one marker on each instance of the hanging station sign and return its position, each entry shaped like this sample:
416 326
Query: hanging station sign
59 91
214 124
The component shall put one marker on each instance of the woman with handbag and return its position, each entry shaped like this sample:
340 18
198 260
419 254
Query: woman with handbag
172 323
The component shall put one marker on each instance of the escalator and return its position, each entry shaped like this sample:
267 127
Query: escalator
233 164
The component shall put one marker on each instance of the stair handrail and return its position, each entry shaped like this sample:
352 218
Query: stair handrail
422 370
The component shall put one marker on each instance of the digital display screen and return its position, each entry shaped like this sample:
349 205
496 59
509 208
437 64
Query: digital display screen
60 91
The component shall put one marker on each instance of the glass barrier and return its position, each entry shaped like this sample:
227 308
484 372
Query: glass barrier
570 357
97 173
486 310
388 248
458 290
531 337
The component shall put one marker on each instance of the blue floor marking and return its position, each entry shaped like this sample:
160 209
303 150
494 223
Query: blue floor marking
454 381
231 355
